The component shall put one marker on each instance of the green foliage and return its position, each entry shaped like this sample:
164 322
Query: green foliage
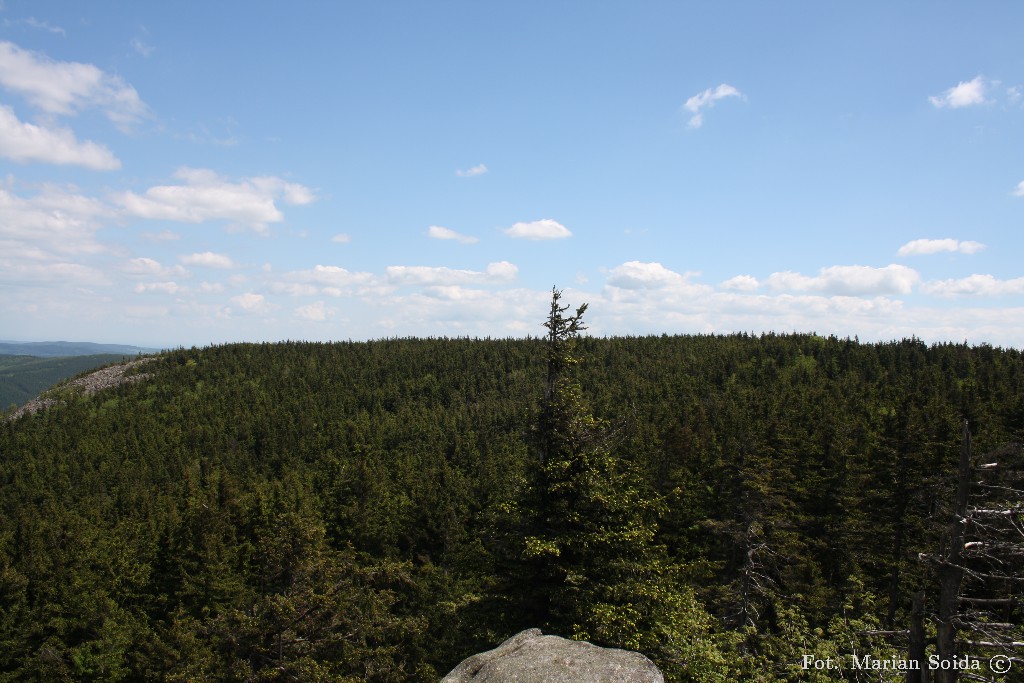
724 503
588 562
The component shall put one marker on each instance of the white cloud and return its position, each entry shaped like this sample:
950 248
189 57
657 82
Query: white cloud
292 193
706 100
336 276
1020 189
439 233
143 265
316 311
67 87
479 169
54 225
206 196
63 275
249 301
694 308
963 94
1014 94
208 259
162 236
975 285
27 142
341 238
455 310
849 280
456 293
142 48
294 288
639 275
926 246
499 272
545 229
147 266
741 283
502 270
163 287
151 313
39 25
330 280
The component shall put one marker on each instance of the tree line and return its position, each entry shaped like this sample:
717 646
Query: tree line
728 504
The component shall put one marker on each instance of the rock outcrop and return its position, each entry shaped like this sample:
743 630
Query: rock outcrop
103 378
531 657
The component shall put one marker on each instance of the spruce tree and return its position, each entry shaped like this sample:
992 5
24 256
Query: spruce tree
594 568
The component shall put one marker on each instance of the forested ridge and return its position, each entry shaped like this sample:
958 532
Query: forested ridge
23 377
350 511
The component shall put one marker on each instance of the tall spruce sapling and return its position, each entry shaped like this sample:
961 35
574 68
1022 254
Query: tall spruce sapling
591 567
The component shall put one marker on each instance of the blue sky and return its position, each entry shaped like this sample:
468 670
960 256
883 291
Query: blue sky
196 173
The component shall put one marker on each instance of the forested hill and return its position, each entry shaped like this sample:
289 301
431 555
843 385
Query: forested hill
303 511
22 378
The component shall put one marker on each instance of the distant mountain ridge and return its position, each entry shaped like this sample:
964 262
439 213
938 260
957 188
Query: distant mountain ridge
53 349
27 368
23 377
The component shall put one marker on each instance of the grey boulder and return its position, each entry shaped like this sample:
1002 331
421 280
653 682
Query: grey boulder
531 657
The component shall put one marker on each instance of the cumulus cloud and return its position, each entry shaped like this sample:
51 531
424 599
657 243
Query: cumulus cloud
439 233
1020 189
849 280
545 229
640 275
162 287
26 142
459 310
975 285
205 196
66 88
338 277
294 288
479 169
963 94
143 265
162 236
926 246
249 301
330 280
208 259
501 271
457 293
53 225
341 238
705 100
146 266
741 283
316 312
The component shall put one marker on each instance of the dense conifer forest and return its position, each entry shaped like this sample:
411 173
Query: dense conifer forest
378 511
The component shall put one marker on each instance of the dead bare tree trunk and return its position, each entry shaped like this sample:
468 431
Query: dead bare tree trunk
917 651
950 567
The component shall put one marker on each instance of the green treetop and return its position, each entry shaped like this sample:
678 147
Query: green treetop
594 569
